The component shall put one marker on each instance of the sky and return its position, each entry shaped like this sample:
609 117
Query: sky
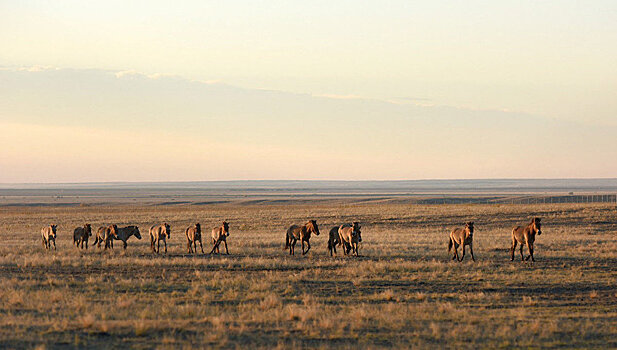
346 90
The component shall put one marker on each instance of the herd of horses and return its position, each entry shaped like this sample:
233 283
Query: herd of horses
347 236
158 233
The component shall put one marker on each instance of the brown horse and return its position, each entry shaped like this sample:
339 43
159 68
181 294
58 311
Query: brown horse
525 235
105 234
81 236
462 237
193 235
350 235
333 240
49 235
157 234
219 235
302 233
125 232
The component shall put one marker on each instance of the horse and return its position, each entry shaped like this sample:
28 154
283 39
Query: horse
193 235
49 235
462 237
333 240
106 234
219 234
350 235
526 235
157 233
125 232
302 233
81 236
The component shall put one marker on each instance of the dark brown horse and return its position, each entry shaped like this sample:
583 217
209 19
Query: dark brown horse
333 240
462 237
525 235
301 233
81 235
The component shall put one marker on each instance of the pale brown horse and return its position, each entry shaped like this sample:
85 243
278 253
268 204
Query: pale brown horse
525 235
105 234
125 232
49 235
81 235
219 235
350 235
193 235
157 234
462 237
302 233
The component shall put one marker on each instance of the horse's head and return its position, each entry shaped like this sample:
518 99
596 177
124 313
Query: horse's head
225 228
167 229
53 230
197 228
469 228
356 229
313 227
136 232
88 229
536 225
113 230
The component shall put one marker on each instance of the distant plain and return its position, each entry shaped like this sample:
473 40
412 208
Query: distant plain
403 290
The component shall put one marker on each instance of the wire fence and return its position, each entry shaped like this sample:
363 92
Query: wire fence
525 199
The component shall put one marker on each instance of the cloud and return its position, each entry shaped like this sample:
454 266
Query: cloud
252 133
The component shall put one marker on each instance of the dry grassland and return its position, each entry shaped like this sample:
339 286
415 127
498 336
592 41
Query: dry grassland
402 292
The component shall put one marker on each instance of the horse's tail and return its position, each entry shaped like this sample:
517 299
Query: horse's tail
450 245
329 245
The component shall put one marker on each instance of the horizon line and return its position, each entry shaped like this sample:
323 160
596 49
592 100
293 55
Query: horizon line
305 180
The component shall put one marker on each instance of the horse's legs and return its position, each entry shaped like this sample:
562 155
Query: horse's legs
521 251
292 248
165 242
455 246
471 251
158 246
188 246
512 249
308 247
530 248
201 246
226 250
463 256
124 244
54 244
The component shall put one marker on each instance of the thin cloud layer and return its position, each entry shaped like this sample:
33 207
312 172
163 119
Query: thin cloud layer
264 134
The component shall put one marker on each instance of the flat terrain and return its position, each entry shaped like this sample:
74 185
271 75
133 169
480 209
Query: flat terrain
403 291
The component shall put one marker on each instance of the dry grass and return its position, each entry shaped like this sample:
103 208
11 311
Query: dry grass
403 291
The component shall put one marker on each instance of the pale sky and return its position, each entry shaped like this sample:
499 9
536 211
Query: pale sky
222 90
